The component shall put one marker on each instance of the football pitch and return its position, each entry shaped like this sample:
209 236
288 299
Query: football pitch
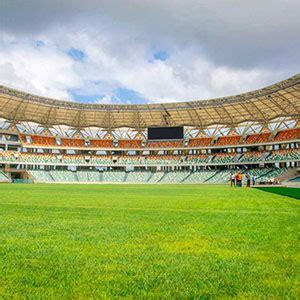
147 241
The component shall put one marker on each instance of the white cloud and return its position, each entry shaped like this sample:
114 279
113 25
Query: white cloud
44 70
119 53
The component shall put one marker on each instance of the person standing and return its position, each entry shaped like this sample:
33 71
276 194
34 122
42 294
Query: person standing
248 179
232 179
239 178
253 180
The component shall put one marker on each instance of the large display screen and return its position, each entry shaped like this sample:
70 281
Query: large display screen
165 133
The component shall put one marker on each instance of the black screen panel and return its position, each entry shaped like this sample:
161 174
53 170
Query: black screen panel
165 133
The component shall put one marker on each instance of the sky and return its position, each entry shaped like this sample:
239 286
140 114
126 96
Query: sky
132 51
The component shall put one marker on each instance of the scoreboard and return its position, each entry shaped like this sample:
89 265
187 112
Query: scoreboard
165 133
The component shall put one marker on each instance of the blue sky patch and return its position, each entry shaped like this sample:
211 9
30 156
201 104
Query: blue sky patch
161 55
79 97
38 43
76 54
120 96
129 96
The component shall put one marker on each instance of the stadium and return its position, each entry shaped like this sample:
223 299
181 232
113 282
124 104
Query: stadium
149 149
135 201
52 141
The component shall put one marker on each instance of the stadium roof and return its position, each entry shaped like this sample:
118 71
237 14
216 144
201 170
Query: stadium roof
278 100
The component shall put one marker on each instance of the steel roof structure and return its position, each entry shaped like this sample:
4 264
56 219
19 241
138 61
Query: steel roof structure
262 106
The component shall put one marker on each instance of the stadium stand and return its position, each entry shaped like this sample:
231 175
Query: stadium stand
279 155
102 159
200 142
200 176
101 143
165 144
130 144
161 160
41 176
138 176
38 140
48 141
219 177
258 138
228 140
223 158
198 159
3 177
174 177
286 135
72 143
155 177
252 156
113 176
216 176
203 155
296 179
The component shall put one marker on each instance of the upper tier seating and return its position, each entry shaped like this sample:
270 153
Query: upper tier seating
200 142
164 144
223 141
39 140
228 140
258 138
130 144
101 143
287 135
77 143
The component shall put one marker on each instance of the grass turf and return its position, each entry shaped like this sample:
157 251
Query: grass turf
285 191
155 241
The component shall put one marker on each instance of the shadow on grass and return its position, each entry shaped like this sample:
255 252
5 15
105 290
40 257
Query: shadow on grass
284 191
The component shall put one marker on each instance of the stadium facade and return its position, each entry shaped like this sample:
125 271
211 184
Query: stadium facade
47 140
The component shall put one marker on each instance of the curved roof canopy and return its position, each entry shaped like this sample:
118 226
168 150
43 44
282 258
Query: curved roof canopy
278 100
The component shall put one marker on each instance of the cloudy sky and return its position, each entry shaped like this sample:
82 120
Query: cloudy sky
132 51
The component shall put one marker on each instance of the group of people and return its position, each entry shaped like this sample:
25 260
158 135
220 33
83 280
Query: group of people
237 179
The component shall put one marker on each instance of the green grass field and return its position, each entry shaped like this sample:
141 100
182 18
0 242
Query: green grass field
285 191
147 241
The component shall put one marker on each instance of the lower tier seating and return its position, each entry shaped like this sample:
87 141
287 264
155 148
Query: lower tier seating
3 177
146 176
